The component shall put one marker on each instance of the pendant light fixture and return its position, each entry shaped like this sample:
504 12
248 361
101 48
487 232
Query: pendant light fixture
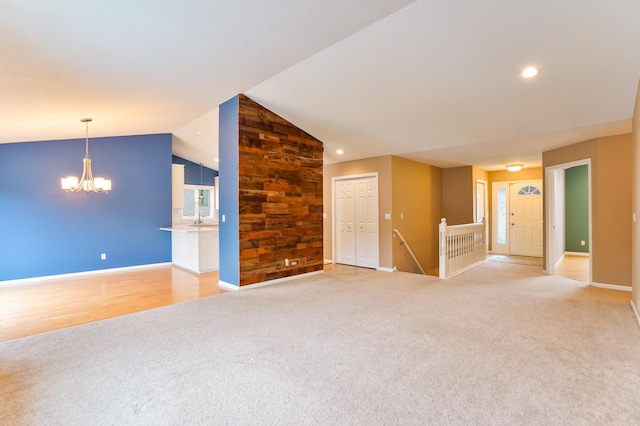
201 196
87 182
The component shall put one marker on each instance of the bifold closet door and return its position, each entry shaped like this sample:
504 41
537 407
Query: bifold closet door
357 222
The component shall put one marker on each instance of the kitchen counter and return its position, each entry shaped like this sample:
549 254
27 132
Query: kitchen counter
192 228
195 247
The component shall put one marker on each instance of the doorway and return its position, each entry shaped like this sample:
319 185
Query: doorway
355 204
517 225
556 215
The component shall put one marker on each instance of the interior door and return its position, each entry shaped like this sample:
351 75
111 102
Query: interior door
345 217
356 207
526 218
367 219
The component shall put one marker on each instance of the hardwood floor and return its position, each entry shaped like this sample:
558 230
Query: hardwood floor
33 308
574 267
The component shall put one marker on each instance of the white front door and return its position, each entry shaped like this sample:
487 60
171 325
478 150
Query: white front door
525 219
356 222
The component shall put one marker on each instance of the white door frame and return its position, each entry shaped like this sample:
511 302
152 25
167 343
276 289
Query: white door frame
333 211
549 267
485 213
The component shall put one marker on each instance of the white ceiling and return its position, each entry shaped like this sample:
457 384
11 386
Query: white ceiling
432 80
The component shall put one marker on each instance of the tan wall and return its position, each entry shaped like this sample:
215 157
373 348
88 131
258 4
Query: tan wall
533 173
611 169
381 165
636 204
613 209
458 195
417 209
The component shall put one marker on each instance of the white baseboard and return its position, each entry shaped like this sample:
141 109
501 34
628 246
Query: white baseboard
635 311
611 286
230 286
576 253
327 261
24 281
381 269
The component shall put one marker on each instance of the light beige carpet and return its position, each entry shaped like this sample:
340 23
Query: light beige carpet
498 345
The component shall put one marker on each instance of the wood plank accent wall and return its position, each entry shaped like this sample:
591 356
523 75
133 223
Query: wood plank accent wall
280 196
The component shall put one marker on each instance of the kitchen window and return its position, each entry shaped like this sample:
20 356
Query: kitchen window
199 203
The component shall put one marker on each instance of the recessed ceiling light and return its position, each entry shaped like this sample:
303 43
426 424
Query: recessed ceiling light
530 72
339 151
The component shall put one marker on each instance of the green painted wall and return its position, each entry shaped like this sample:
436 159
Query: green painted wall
576 201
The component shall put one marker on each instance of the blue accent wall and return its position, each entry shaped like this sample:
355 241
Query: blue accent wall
192 172
228 180
47 231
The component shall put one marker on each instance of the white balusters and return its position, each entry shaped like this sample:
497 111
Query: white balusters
461 247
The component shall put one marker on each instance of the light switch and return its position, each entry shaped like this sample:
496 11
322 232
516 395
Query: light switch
387 216
224 218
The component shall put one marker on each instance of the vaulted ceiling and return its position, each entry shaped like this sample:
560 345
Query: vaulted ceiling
432 80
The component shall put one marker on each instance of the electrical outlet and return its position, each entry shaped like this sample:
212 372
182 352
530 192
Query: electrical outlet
103 256
583 242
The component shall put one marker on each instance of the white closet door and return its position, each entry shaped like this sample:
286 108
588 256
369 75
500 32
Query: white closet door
357 240
345 218
367 219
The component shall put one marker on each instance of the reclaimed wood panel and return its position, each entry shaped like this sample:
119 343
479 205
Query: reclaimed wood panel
280 196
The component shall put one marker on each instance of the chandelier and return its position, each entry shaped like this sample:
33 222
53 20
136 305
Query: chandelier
87 182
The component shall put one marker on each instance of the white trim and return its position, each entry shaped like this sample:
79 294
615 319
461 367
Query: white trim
465 269
548 200
495 247
229 286
381 269
334 179
25 281
611 286
576 253
328 261
635 311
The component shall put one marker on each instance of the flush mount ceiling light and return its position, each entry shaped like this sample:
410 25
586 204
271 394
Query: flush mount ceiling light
530 72
514 167
87 182
339 151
